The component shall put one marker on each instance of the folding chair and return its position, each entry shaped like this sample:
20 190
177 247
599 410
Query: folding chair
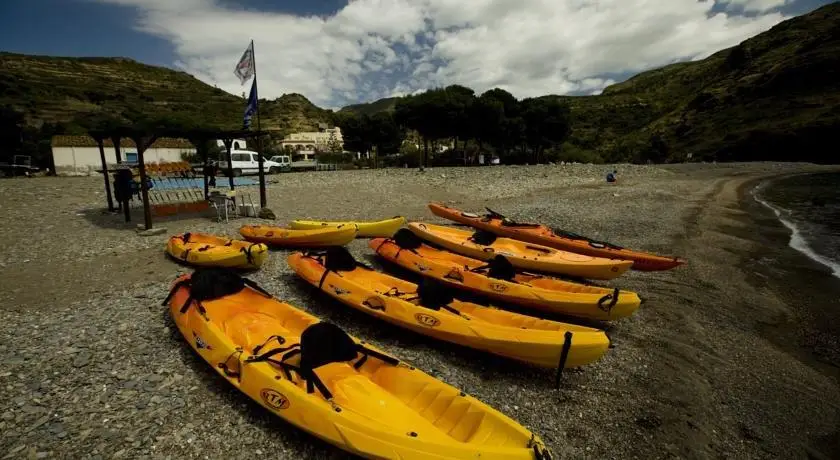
223 204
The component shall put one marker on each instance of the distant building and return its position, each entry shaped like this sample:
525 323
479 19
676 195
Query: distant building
79 155
321 141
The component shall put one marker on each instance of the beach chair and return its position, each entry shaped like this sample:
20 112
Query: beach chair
224 204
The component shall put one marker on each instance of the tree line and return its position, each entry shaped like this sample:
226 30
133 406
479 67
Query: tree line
493 121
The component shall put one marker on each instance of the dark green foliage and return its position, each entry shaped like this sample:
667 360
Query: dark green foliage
546 122
519 131
364 133
387 104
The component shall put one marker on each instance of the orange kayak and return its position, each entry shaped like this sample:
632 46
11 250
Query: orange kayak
484 245
498 280
540 234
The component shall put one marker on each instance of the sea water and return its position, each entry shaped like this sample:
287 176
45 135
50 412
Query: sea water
809 206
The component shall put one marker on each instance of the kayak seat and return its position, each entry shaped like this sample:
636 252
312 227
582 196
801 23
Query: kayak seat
339 259
432 295
406 239
483 238
500 268
323 343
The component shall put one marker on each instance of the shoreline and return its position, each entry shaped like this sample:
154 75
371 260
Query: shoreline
808 284
795 268
716 363
796 241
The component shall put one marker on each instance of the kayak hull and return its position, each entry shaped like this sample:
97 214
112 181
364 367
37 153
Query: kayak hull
528 290
379 409
285 237
379 229
205 250
515 336
525 256
541 234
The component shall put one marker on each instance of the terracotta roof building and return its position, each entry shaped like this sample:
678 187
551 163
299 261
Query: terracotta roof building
87 141
79 155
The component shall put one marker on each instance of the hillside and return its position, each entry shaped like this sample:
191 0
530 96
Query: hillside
56 90
774 96
382 105
291 113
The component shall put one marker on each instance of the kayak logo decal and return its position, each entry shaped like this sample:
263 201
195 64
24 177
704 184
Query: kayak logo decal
426 320
274 399
498 287
421 267
338 290
200 343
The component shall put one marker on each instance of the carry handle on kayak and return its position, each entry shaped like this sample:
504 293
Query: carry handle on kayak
538 249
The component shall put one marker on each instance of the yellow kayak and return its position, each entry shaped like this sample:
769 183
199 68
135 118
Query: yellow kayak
429 310
286 237
379 229
205 250
484 245
320 379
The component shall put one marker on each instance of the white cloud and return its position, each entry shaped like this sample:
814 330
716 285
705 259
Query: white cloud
756 5
383 47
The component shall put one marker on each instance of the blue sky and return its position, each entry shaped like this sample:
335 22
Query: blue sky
335 53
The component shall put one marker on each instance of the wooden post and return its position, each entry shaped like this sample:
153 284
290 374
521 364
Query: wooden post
205 170
105 173
200 144
126 211
228 142
116 140
262 171
143 142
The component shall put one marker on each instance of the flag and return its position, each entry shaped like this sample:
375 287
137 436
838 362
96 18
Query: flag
245 68
251 108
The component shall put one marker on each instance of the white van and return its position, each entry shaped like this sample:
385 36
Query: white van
246 162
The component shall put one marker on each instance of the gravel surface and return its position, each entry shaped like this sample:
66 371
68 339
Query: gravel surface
94 367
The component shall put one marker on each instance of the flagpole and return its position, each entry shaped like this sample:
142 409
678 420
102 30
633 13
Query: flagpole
259 137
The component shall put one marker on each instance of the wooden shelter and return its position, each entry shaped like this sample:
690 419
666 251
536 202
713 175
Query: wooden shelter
144 137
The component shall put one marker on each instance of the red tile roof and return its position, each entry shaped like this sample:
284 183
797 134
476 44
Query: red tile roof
87 141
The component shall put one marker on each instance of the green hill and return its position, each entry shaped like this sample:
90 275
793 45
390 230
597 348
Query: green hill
382 105
56 90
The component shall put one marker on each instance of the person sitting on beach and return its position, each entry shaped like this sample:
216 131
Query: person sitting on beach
612 177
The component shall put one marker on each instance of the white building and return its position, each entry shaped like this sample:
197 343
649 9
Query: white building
320 141
79 155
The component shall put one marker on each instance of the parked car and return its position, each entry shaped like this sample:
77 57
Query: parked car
285 161
246 162
304 159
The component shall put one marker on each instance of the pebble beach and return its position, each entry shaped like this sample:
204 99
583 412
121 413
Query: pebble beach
721 360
